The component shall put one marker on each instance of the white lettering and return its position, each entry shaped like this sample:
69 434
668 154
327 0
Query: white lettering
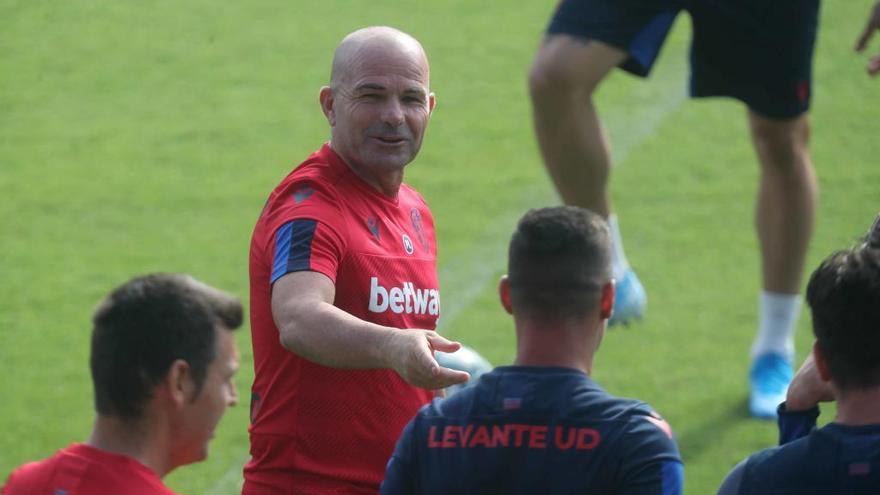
377 292
421 301
395 297
434 304
405 299
407 294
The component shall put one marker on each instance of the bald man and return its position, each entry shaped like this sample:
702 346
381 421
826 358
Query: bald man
344 292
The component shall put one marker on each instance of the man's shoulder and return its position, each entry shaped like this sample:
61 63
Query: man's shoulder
786 464
34 476
79 469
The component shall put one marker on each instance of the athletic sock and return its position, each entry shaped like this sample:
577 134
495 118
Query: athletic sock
619 265
778 317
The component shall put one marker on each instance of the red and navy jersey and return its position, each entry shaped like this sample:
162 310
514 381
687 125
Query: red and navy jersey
835 459
525 430
316 428
84 470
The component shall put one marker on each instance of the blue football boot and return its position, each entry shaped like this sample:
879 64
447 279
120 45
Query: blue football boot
629 300
769 377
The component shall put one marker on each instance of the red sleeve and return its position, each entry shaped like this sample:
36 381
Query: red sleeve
308 232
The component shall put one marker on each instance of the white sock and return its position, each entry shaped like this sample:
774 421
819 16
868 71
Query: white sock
619 265
778 317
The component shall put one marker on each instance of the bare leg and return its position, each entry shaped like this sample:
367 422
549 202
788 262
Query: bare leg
564 76
563 79
786 199
784 220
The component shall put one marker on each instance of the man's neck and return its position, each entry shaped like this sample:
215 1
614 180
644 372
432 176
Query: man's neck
858 407
562 344
387 183
134 439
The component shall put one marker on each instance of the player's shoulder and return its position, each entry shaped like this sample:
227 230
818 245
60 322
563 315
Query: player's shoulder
806 457
36 476
644 429
32 476
308 190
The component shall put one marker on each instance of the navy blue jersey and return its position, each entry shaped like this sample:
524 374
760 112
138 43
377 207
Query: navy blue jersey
832 460
535 430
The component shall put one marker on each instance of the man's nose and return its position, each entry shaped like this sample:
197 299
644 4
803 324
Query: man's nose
392 113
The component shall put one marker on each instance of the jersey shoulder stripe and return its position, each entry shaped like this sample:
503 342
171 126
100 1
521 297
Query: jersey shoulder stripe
293 247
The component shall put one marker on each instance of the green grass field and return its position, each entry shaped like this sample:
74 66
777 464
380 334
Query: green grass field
138 137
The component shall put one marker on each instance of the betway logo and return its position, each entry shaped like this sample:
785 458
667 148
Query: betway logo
406 299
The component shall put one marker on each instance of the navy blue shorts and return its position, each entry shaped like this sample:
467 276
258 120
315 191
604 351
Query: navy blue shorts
757 51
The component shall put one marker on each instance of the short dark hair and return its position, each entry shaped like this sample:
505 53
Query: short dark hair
558 261
844 297
146 324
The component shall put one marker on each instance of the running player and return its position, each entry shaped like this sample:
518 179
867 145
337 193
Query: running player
162 360
344 292
543 425
843 456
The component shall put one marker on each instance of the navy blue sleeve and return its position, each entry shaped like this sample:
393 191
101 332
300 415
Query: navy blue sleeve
730 485
399 472
795 424
650 463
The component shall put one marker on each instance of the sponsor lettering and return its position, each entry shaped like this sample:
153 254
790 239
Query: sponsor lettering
513 436
406 299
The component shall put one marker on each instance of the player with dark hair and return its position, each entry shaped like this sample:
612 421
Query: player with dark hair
162 361
543 425
344 291
843 456
757 51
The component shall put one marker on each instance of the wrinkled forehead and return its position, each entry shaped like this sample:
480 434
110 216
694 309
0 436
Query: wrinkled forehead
381 58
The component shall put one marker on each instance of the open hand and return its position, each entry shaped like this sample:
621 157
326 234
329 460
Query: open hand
412 357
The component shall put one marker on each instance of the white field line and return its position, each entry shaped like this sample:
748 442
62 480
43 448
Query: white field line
464 278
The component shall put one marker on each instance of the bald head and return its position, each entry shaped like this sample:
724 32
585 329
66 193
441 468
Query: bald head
378 104
367 45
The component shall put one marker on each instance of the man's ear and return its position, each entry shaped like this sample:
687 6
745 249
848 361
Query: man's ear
432 102
606 301
504 293
179 382
821 362
325 97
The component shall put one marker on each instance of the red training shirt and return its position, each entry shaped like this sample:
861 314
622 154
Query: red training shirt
84 470
313 428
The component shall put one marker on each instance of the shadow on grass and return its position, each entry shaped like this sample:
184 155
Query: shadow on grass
699 435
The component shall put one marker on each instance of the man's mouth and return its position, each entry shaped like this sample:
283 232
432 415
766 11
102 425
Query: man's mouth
389 139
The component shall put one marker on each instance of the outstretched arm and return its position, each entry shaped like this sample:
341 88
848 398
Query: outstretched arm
311 326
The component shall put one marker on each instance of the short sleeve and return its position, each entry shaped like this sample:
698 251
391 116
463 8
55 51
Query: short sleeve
309 233
650 462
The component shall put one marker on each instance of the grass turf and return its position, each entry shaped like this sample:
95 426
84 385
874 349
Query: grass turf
144 138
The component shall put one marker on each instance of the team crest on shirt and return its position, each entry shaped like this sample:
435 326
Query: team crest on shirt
407 244
416 218
373 225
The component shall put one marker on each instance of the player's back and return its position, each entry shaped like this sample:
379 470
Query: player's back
836 459
535 430
83 470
